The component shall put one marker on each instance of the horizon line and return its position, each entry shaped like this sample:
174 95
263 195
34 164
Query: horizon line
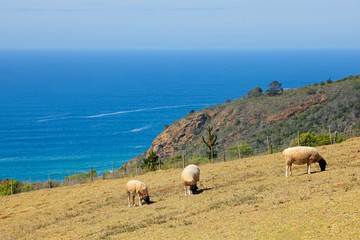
177 49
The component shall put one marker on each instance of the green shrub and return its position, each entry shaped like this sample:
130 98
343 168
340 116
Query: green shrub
244 148
78 177
255 92
310 91
356 85
175 159
312 140
199 160
151 162
5 187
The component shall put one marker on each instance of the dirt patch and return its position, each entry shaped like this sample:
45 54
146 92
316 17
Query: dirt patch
295 109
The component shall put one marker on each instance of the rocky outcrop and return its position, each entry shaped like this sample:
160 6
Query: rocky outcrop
178 134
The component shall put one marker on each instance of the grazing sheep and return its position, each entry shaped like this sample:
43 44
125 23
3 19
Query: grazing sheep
190 176
136 186
302 155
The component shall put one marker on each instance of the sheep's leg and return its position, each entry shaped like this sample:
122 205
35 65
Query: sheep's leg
185 190
129 199
139 199
288 169
189 190
133 199
308 168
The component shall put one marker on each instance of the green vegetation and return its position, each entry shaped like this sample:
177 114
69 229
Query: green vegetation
274 89
255 92
81 177
19 187
151 162
240 150
313 140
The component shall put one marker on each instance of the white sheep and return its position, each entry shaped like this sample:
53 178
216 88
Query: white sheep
137 187
190 176
301 155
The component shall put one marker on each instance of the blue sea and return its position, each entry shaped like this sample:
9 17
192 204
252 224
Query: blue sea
64 111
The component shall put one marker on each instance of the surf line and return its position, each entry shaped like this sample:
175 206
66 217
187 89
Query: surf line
142 110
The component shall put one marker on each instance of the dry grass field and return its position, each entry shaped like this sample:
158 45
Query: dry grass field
248 198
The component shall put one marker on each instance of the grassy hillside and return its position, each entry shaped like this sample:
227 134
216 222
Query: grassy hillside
278 118
248 198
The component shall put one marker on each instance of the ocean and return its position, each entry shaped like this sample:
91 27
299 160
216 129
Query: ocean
67 110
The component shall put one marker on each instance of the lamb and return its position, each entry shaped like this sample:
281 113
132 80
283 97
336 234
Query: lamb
190 176
137 187
301 155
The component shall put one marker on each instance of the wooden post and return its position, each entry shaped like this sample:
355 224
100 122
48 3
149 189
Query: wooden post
268 144
330 135
136 169
298 138
159 162
224 155
11 187
92 176
238 147
183 158
112 167
335 136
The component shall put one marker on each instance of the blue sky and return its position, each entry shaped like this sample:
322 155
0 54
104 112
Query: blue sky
165 24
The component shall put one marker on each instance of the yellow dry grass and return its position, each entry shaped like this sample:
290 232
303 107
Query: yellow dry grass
248 198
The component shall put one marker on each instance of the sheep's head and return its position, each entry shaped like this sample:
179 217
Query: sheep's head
322 164
146 199
193 188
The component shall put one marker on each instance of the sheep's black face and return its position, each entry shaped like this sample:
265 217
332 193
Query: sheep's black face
193 189
146 199
322 164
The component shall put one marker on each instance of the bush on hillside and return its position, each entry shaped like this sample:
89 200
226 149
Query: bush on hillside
312 140
310 91
242 150
18 187
274 89
80 177
151 162
255 92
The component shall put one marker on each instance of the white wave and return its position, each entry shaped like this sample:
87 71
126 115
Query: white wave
143 109
141 129
54 116
52 119
139 146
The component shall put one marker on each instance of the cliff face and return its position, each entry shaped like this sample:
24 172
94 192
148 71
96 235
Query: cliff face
310 108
